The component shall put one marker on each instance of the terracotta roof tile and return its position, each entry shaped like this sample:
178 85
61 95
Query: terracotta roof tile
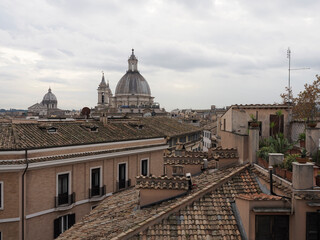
207 216
35 135
259 197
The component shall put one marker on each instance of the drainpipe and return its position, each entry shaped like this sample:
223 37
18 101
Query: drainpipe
22 194
271 183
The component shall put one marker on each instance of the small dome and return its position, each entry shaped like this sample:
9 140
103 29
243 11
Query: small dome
49 98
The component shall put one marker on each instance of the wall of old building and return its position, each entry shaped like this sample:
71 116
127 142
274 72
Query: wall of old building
233 140
41 183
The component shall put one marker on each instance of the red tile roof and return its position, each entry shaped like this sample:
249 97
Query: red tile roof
206 211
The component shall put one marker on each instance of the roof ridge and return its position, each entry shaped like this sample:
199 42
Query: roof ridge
176 206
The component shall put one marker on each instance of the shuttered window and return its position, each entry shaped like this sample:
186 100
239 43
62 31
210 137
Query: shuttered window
272 227
1 195
313 226
63 223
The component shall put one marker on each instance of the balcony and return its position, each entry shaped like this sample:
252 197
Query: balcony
97 191
123 185
65 199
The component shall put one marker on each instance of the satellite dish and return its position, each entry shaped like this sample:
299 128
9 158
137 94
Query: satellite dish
85 112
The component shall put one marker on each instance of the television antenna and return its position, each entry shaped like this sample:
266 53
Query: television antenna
291 69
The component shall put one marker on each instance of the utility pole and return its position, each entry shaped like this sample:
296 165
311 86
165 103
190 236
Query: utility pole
289 70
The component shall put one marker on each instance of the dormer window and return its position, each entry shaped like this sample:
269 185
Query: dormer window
52 130
94 129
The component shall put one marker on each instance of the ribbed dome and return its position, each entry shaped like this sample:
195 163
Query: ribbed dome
49 98
133 83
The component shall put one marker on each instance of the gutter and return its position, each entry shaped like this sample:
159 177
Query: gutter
23 195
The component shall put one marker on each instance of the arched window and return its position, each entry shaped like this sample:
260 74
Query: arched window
102 100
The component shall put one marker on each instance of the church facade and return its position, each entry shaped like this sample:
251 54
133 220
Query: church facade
132 93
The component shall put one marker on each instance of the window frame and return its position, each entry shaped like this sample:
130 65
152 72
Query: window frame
100 177
127 170
69 182
148 166
1 196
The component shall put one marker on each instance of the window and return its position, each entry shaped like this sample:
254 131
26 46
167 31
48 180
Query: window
177 171
63 223
313 225
95 182
273 227
1 196
0 235
144 167
63 192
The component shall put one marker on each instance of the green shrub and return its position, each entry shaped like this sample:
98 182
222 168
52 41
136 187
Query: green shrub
264 151
302 136
289 160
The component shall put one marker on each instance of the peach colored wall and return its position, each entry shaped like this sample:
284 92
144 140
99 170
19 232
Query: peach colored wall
228 120
148 196
298 222
45 232
245 208
231 140
11 194
187 168
223 162
9 230
41 190
240 119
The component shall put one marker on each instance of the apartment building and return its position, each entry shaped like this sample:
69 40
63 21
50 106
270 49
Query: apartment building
52 174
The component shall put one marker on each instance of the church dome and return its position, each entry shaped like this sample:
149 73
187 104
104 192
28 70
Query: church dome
133 83
49 98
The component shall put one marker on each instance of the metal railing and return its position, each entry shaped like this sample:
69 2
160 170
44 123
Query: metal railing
123 184
97 191
65 199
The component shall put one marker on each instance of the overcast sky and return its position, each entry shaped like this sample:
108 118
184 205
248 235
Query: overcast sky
192 53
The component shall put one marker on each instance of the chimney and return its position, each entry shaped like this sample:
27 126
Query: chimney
154 190
302 175
205 163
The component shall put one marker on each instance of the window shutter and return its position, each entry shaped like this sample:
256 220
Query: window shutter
56 227
71 220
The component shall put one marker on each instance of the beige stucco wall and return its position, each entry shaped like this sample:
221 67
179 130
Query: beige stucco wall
245 208
187 168
237 120
148 196
231 140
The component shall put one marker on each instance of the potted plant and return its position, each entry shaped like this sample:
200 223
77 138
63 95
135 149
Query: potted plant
263 156
302 139
303 157
312 124
254 122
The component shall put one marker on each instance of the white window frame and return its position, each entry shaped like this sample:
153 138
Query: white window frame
100 175
69 182
1 206
127 170
148 167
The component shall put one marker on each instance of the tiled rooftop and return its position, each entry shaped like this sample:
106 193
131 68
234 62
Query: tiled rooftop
36 135
259 197
205 211
176 183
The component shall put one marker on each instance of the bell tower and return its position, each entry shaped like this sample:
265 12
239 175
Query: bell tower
104 93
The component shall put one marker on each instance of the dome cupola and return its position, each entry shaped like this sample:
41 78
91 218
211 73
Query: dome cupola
49 100
132 83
